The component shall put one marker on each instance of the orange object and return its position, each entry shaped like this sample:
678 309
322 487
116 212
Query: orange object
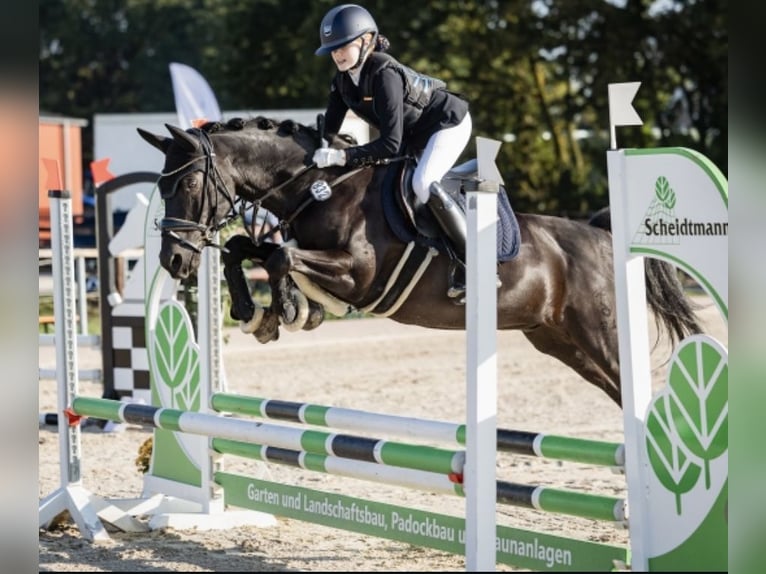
59 145
100 171
53 181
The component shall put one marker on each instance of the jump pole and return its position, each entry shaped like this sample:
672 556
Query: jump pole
415 466
542 445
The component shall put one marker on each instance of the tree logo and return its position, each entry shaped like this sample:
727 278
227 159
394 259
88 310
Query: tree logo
688 423
661 226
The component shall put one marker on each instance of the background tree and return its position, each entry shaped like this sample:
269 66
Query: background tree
535 71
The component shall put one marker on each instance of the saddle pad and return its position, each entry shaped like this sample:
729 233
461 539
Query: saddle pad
508 233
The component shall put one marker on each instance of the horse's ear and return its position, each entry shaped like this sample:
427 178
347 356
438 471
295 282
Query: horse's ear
181 137
160 142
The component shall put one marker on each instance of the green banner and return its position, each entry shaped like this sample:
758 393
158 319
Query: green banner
515 547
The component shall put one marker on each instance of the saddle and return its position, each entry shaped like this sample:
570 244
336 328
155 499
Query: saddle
412 220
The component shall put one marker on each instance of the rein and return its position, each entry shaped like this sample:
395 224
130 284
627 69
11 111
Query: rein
170 226
283 224
256 205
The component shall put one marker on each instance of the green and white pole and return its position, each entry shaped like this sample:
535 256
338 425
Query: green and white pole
601 453
414 466
419 457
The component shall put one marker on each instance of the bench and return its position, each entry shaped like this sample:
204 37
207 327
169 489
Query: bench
47 320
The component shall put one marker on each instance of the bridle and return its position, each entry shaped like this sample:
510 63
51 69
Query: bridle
170 226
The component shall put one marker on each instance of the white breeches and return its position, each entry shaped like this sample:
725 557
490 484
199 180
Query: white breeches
441 153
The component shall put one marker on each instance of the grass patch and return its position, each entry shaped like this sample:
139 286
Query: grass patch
45 308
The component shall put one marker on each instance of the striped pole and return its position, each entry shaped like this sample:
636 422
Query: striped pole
407 477
585 505
542 445
540 498
417 457
285 446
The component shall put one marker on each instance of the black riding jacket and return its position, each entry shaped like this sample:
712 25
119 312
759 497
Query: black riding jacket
406 108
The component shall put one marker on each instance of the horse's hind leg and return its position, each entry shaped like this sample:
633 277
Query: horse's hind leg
551 342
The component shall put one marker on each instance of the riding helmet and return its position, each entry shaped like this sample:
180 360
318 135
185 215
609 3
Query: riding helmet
344 24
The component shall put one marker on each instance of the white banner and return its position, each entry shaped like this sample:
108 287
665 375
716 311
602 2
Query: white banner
194 98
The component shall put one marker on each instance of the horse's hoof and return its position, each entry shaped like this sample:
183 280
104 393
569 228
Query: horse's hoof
295 313
267 337
289 312
249 327
316 317
269 329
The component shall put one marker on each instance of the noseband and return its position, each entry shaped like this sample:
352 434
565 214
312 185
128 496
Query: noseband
170 226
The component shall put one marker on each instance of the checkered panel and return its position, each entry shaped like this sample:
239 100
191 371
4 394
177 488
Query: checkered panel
129 354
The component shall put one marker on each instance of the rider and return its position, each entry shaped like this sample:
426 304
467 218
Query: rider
411 111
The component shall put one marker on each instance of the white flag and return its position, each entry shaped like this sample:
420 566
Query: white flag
621 112
486 152
195 99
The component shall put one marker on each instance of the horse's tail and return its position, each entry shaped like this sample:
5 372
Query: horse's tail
674 312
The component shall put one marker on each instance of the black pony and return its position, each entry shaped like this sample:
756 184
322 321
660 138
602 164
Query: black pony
343 254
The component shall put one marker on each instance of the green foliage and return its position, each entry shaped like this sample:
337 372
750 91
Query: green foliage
536 73
45 308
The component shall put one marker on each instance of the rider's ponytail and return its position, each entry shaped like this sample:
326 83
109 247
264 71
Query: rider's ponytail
381 44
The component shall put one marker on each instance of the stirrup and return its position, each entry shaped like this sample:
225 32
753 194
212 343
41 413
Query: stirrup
456 291
457 297
456 280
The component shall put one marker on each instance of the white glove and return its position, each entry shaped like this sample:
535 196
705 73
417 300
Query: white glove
327 156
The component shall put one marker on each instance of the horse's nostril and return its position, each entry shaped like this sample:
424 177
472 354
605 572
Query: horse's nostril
176 262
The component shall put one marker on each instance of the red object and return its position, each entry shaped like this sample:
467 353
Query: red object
456 478
73 419
198 122
100 172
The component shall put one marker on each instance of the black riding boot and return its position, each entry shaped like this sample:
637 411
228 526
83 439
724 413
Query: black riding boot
452 221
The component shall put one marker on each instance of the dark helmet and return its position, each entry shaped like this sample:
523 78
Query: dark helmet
344 24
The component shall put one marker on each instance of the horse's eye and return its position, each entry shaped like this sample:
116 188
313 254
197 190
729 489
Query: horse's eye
191 183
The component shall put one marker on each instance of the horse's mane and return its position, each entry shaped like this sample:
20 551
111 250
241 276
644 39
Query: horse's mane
285 127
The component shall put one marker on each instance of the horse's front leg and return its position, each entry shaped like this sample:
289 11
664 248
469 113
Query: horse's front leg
243 308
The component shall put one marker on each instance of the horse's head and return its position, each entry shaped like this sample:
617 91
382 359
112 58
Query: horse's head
196 195
214 173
